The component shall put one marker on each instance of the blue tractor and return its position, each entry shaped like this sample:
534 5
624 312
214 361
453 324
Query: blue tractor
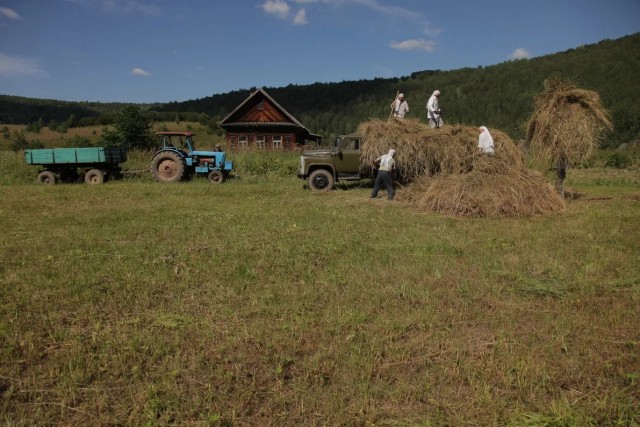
178 160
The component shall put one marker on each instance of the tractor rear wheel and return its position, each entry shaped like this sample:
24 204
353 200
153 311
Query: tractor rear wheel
167 167
47 178
94 176
216 177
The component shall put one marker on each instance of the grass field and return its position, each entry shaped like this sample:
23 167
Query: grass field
256 302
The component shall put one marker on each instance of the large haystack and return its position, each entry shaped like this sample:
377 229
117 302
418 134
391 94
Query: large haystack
444 172
493 188
425 151
565 127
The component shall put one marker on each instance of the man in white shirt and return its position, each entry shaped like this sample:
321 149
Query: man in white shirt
400 107
433 110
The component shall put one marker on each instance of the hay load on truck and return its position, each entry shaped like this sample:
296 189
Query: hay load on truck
322 168
93 164
178 160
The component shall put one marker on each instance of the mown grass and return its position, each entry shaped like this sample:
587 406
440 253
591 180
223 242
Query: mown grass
256 302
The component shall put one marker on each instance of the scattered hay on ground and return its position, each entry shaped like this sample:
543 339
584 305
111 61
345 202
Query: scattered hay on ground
421 150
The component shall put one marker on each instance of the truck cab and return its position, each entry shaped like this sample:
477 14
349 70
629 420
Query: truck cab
323 167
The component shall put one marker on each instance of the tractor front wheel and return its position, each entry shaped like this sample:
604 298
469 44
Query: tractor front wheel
167 167
216 177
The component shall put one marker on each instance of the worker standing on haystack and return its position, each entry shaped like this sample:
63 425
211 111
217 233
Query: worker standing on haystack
399 107
387 165
433 111
485 141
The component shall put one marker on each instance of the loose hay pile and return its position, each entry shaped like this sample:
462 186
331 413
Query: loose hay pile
443 171
422 150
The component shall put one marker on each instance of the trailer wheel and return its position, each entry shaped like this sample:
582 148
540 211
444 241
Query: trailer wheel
320 180
167 167
216 177
94 176
47 178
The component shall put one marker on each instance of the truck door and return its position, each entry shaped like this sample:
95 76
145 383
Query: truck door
347 160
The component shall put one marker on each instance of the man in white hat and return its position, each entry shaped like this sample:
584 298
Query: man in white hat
433 110
399 107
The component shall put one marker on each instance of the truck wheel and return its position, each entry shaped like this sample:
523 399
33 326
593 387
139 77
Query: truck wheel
320 180
167 167
216 177
47 178
94 176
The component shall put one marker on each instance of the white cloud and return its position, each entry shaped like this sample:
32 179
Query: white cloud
520 53
300 18
9 13
12 66
276 7
414 44
140 72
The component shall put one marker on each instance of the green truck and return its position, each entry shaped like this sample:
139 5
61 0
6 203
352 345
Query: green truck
322 168
93 164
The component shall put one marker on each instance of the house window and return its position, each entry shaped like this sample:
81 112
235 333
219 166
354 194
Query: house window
233 142
242 142
277 142
260 142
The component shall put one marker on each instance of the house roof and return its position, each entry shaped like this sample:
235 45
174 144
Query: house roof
240 109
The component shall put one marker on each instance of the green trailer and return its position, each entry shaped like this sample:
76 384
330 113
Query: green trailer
93 164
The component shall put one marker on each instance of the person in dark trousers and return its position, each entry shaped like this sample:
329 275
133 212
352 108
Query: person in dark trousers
387 164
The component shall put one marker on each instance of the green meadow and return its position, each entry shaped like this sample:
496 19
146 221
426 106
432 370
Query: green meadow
256 302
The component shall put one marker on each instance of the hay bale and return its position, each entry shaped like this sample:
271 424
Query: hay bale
425 151
492 188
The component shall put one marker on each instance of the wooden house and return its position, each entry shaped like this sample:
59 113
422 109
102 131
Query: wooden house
260 123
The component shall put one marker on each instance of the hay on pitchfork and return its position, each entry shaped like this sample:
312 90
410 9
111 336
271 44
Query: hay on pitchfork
493 188
567 121
421 150
565 127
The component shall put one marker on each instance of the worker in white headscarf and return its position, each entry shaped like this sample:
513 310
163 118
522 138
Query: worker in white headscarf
433 110
387 164
400 107
485 141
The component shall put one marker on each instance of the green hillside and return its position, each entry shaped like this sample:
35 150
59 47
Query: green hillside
498 96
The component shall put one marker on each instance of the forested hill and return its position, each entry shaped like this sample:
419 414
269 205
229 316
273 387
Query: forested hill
499 96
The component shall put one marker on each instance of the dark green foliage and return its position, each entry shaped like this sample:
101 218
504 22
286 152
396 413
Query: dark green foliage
132 129
35 127
78 141
19 142
618 161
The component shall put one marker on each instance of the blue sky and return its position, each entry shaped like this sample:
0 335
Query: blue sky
175 50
